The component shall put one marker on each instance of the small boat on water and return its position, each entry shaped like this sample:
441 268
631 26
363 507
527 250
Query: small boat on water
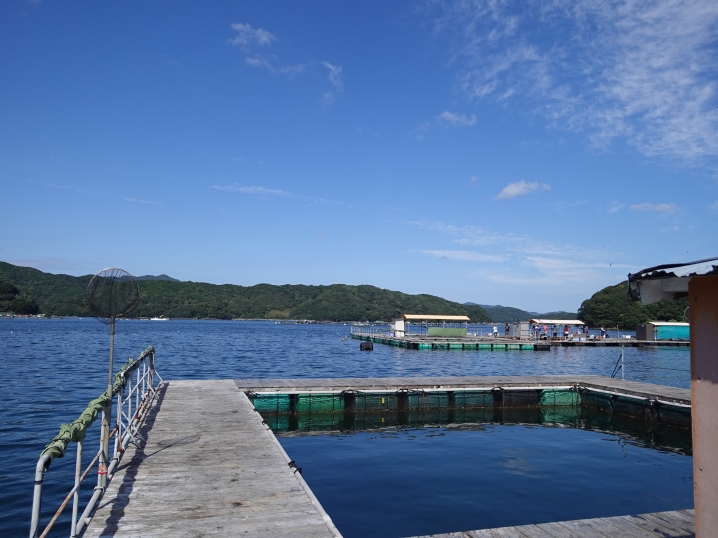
161 318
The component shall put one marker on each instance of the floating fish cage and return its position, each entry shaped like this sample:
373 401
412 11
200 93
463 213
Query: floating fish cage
359 409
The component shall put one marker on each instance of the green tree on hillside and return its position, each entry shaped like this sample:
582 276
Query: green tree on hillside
610 307
12 301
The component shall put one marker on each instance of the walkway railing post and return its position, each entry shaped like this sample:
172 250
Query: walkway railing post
106 417
37 495
76 496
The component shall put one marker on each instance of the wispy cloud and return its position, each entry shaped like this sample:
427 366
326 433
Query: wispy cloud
335 77
452 119
521 259
445 119
658 208
139 201
255 42
256 190
645 72
520 188
421 130
248 37
555 272
464 255
714 206
560 206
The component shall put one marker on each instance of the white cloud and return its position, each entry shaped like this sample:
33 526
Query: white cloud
263 191
335 75
259 62
293 69
526 260
421 129
645 72
519 188
248 37
452 119
556 272
140 201
254 42
658 208
465 255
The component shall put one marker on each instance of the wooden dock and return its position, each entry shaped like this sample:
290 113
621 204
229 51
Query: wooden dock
674 524
211 467
484 343
629 388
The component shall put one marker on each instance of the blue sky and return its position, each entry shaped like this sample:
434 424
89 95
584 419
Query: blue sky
519 153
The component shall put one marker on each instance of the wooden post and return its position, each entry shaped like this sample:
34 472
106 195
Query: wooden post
703 296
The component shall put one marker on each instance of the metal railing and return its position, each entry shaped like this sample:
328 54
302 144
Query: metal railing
133 392
369 329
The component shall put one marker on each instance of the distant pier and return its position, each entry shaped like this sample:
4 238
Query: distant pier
487 343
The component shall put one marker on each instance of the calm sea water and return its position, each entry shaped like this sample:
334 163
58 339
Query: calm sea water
417 481
52 368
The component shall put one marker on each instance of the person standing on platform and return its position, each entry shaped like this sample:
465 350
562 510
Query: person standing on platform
565 332
507 330
496 331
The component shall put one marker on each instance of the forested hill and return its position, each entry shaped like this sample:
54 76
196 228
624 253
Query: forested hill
63 295
610 307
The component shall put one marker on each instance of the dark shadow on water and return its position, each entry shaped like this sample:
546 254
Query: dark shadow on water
633 430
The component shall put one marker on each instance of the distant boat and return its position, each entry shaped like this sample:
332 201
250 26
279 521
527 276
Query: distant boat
161 318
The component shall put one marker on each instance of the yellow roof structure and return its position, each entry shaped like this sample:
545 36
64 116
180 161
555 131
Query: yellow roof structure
426 317
557 321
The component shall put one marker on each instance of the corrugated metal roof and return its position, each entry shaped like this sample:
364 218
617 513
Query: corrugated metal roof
666 282
671 323
426 317
557 321
699 268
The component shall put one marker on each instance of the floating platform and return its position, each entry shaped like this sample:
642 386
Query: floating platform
212 467
507 344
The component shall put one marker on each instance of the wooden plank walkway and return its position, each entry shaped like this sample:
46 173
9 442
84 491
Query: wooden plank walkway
630 388
210 468
675 524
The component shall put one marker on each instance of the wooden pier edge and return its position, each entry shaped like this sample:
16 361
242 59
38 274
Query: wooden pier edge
629 388
673 524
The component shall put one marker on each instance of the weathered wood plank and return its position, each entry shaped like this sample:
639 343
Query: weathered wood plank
209 468
674 524
666 393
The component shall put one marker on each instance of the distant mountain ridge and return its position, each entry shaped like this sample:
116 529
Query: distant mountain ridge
158 277
504 314
64 295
